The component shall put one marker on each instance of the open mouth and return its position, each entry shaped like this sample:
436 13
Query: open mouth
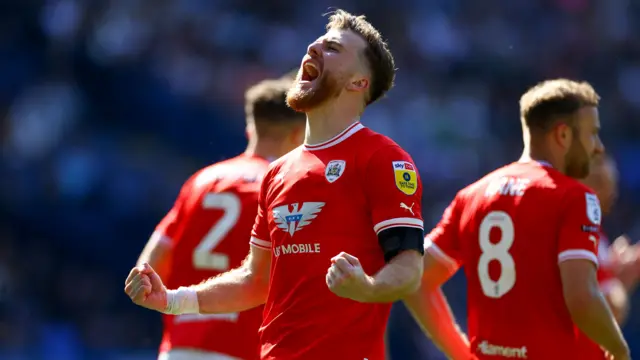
310 71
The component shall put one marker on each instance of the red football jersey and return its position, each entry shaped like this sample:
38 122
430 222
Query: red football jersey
510 230
316 202
208 228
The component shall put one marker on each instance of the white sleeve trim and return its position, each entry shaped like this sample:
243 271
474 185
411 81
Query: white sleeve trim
433 249
264 245
573 254
398 222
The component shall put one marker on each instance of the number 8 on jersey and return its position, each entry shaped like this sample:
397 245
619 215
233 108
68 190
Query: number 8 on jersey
498 251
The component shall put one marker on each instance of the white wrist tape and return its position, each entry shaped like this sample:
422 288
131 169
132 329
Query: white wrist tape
184 300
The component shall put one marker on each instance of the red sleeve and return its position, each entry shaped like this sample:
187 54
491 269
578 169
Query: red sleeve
260 233
443 242
393 190
166 230
580 229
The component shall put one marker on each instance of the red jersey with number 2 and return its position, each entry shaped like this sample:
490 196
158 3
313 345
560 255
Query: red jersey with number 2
208 227
316 202
509 231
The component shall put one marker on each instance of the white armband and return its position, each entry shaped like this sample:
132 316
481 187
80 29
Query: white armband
184 300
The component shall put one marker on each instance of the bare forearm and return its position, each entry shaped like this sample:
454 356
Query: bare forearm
157 253
592 315
399 278
234 291
432 312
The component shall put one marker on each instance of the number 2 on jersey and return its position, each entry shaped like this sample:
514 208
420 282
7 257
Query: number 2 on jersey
499 252
203 255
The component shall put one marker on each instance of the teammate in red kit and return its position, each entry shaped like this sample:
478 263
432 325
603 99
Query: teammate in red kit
603 180
613 259
344 205
527 235
206 231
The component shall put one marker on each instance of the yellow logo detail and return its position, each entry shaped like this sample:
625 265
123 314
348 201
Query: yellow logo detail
406 177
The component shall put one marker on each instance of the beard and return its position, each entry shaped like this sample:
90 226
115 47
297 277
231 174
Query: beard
306 97
578 161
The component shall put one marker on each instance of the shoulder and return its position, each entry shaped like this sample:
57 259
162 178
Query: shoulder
286 158
480 185
573 190
209 175
274 168
377 148
205 176
377 141
575 186
580 195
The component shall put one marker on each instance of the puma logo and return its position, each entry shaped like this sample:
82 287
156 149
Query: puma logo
409 208
594 240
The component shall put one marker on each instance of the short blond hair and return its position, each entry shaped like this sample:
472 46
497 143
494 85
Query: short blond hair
542 105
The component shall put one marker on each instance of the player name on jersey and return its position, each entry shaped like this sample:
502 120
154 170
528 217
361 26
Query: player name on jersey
511 186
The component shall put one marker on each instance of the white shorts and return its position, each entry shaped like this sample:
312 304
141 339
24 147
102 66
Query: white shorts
190 354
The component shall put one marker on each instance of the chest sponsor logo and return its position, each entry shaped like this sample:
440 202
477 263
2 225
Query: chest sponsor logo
405 176
294 217
334 169
593 208
310 248
487 348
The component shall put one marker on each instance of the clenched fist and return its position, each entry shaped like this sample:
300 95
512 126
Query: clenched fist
145 288
346 278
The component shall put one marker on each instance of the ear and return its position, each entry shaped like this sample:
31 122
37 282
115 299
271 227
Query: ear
563 135
358 85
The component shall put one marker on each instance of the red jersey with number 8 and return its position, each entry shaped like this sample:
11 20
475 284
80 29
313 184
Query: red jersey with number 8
208 228
510 230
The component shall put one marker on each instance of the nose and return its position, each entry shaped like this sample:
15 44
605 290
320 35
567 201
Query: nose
314 49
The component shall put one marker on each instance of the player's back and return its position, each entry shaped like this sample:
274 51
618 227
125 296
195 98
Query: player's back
516 225
212 222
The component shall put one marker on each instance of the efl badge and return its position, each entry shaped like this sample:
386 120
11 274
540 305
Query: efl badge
406 177
335 169
593 208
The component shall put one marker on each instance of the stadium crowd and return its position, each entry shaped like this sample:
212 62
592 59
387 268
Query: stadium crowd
107 108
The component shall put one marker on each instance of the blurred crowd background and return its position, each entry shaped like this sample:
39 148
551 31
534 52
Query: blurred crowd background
106 107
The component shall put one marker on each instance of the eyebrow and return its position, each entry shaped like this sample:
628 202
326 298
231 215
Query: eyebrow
333 42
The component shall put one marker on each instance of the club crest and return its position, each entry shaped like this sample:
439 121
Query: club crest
593 209
334 169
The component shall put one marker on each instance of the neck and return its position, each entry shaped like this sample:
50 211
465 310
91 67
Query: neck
532 153
265 148
329 120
